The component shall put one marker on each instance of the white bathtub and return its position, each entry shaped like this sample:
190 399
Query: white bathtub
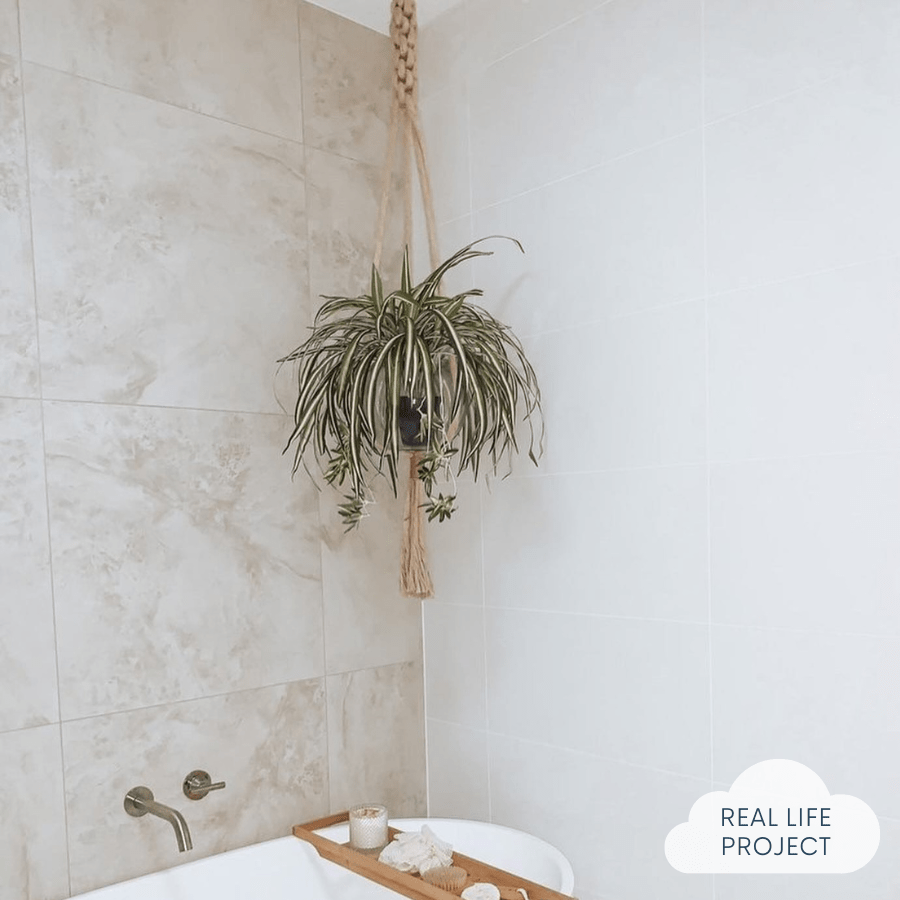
284 869
290 869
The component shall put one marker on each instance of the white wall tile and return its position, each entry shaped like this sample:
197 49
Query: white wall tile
576 681
18 325
619 543
625 393
444 51
268 746
827 701
758 51
184 561
806 183
807 543
172 267
169 248
457 772
633 239
376 739
498 27
454 671
454 550
617 79
445 122
807 366
230 60
610 819
33 856
803 369
28 690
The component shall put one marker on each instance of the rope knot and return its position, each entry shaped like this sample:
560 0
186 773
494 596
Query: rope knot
404 35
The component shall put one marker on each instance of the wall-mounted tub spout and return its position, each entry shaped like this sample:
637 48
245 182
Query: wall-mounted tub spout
139 801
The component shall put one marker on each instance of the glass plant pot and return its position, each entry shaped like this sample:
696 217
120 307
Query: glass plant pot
410 420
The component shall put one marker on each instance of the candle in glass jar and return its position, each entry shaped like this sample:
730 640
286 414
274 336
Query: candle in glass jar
368 826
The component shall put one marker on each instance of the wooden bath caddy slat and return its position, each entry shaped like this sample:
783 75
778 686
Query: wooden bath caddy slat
413 886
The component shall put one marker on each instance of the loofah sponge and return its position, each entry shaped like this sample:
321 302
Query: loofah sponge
481 891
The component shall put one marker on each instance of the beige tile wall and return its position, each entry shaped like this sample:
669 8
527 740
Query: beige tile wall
179 195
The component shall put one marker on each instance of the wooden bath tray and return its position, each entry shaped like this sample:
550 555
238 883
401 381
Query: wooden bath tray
413 886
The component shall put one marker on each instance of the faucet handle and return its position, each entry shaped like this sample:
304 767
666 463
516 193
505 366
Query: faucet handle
198 784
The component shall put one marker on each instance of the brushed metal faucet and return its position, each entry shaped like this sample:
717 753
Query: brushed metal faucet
139 801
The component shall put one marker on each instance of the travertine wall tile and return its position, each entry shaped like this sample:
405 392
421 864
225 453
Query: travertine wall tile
343 202
185 563
346 85
9 27
267 745
376 738
233 60
367 622
28 694
171 263
32 827
18 330
169 248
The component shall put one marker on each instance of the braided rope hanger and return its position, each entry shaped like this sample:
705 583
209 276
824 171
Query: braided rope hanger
405 125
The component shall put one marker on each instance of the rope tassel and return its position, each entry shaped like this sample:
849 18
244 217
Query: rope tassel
415 577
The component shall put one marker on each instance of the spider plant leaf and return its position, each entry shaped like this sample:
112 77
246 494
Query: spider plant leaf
377 289
405 277
428 378
353 438
349 358
410 344
374 374
392 400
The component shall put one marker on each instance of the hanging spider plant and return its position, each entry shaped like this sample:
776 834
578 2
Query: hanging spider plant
410 370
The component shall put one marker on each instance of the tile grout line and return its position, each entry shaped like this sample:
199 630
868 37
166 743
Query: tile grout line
713 463
707 394
686 623
614 318
603 163
321 529
599 4
40 374
484 643
813 85
470 164
120 405
167 103
718 296
300 142
425 715
726 293
484 650
217 695
584 753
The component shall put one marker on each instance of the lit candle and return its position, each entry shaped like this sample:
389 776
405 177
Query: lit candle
368 827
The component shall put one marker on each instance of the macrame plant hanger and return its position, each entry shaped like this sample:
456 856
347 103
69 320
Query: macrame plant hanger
405 128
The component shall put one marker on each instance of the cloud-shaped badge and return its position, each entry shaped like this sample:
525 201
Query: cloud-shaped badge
778 818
